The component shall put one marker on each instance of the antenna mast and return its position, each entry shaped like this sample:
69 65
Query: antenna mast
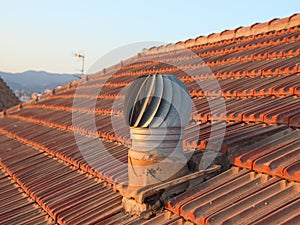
82 57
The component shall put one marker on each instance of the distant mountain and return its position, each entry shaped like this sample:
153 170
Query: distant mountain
36 81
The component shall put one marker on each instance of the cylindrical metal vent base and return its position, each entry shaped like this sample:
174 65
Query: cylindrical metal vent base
156 156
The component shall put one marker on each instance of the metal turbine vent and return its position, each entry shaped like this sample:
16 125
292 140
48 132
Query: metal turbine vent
157 108
155 101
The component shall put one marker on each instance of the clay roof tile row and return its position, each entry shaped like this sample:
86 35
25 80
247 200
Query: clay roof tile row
239 197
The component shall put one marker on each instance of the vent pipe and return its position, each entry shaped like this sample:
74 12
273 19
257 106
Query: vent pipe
157 108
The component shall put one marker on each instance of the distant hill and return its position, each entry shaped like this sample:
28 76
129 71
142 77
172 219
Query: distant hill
36 81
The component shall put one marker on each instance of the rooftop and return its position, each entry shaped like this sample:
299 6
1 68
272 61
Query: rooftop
63 154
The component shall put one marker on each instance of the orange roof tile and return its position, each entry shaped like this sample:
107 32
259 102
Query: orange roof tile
238 197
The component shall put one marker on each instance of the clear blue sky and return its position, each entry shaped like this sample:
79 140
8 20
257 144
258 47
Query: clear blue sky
42 34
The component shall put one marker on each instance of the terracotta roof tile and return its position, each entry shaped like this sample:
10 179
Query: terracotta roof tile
274 158
16 206
67 194
235 196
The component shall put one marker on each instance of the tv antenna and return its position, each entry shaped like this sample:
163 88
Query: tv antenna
82 57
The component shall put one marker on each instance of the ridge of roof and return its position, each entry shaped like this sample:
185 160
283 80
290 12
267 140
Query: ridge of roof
254 29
